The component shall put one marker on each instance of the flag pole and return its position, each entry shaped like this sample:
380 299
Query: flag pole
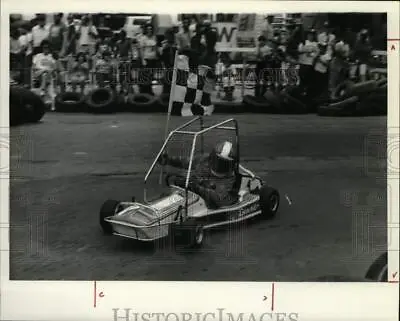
171 95
170 103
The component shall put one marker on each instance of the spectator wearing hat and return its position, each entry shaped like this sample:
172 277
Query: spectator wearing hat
40 32
57 33
123 48
149 55
308 51
87 35
362 53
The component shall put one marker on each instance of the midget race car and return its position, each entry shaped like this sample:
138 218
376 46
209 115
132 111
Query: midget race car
179 212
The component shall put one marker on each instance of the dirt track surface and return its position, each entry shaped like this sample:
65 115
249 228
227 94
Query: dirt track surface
330 173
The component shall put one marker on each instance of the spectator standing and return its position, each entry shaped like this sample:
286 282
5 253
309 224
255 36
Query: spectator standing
104 70
123 47
263 66
149 54
168 51
40 32
70 38
308 51
362 53
57 33
209 39
87 35
184 36
338 69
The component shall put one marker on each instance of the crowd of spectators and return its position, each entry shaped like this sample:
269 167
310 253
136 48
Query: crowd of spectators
79 50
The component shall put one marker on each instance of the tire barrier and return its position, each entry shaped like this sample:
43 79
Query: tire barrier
71 102
25 106
369 99
255 104
143 103
346 107
101 100
293 101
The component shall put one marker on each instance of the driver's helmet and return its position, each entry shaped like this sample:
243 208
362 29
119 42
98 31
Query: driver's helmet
223 159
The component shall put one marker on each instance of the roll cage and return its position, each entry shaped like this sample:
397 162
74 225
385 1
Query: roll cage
229 125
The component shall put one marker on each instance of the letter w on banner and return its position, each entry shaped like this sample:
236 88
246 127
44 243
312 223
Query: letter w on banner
191 89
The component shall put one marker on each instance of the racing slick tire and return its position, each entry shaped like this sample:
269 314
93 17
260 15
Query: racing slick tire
109 208
101 100
378 271
143 102
25 106
269 201
69 102
190 234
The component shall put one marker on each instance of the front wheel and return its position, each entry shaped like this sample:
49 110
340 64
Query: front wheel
190 234
109 208
269 202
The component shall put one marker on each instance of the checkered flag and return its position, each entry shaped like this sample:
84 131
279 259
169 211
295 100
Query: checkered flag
191 90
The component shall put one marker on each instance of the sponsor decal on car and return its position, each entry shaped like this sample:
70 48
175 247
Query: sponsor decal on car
245 211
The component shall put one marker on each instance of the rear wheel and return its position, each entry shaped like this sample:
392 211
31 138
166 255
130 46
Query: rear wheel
109 208
269 202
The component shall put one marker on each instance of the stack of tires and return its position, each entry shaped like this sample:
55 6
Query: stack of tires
106 100
97 101
25 106
367 98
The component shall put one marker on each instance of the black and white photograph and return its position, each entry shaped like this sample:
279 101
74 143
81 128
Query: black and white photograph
198 147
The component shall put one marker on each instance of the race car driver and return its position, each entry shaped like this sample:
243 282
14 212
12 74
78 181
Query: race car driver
214 176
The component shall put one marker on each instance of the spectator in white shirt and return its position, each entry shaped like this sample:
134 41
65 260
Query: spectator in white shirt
87 35
149 54
44 65
40 32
